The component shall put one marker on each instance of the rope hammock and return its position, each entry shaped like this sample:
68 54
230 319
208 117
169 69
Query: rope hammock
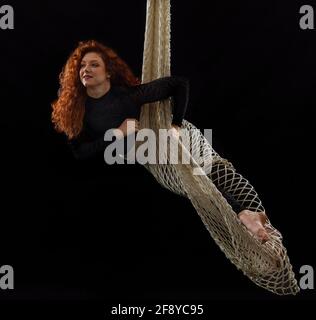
265 264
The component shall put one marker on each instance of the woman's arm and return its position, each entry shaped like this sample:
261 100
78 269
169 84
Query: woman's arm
84 148
163 88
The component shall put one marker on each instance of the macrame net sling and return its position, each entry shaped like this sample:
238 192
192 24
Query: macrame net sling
265 264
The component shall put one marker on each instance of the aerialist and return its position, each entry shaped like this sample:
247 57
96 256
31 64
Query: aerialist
99 92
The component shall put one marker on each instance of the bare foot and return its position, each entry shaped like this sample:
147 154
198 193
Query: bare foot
254 222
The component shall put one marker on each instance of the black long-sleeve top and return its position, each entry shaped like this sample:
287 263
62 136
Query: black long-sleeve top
119 103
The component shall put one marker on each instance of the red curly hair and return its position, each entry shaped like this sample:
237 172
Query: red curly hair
69 108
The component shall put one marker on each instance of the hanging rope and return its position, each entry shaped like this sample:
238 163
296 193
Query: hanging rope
266 264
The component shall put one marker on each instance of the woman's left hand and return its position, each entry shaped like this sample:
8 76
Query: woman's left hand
175 130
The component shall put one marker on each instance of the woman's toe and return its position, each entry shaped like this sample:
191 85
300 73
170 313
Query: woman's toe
263 235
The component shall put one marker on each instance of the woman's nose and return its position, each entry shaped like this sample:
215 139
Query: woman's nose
86 69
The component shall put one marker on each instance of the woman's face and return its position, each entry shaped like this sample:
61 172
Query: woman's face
92 70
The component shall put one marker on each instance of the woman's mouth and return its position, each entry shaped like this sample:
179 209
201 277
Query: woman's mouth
87 77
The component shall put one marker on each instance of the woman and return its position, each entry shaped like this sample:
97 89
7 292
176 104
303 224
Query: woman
98 92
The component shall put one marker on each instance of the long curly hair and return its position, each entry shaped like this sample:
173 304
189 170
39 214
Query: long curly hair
69 107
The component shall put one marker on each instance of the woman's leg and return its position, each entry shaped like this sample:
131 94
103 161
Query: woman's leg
252 213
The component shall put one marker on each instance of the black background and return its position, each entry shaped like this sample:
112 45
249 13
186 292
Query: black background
86 232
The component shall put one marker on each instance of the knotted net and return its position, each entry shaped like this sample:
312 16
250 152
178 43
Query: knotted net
266 264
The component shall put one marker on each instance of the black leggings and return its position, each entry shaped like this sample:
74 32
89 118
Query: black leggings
237 190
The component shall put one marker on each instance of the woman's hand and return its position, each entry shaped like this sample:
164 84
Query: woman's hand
175 130
175 127
129 126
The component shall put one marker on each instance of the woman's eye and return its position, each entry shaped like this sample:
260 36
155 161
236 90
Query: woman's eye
93 65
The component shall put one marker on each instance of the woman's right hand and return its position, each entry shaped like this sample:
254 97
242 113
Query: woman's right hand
129 126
